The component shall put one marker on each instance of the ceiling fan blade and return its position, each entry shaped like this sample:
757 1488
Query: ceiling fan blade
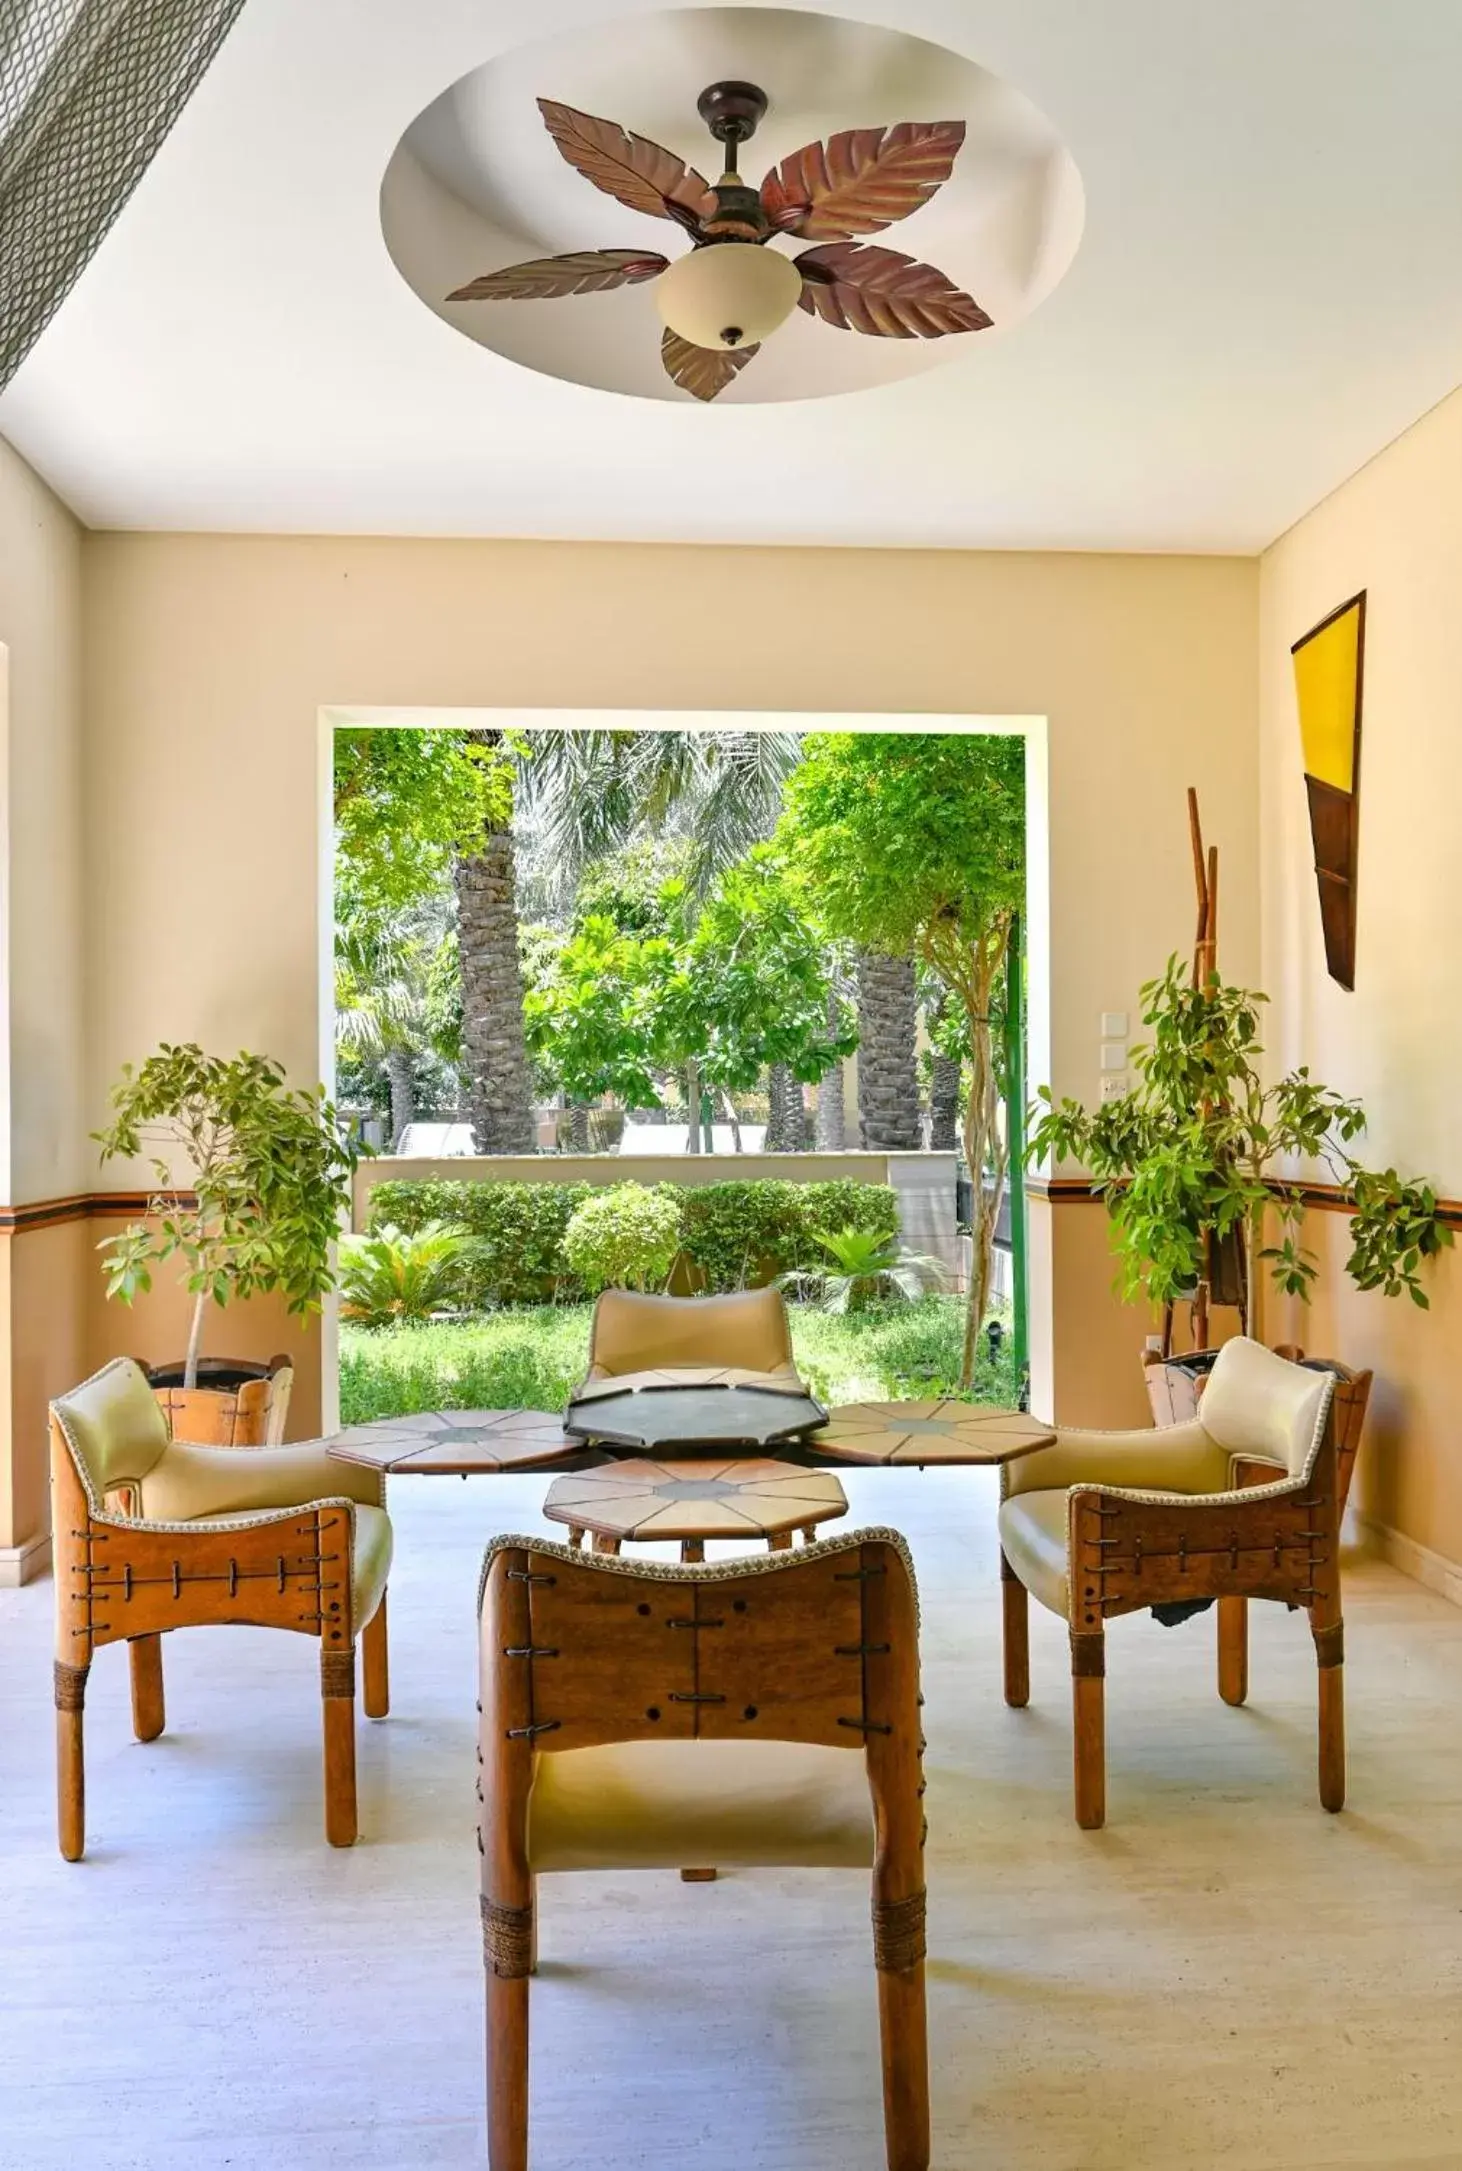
860 181
640 174
546 278
705 371
863 288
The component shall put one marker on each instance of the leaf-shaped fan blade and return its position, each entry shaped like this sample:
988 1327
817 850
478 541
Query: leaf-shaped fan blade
545 278
638 173
705 371
863 288
861 181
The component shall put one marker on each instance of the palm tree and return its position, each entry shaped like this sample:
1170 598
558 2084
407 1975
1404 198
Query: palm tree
382 1012
888 1071
944 1074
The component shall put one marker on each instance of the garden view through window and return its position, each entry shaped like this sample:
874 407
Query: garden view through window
620 976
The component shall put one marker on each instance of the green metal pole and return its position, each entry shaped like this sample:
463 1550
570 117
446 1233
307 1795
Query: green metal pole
1015 1132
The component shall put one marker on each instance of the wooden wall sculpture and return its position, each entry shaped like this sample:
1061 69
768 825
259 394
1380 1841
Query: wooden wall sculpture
1329 667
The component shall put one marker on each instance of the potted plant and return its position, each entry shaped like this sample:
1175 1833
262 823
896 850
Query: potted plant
268 1175
1192 1162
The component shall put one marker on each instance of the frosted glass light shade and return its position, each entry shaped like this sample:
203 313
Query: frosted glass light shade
729 294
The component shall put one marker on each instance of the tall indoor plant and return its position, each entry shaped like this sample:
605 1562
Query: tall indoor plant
1194 1159
266 1187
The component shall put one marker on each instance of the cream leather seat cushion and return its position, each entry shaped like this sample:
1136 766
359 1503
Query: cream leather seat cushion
660 1804
190 1481
1033 1537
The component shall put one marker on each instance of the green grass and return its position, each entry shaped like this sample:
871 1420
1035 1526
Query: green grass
533 1357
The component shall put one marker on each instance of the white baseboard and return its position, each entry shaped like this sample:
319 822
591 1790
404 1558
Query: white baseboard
1418 1561
23 1563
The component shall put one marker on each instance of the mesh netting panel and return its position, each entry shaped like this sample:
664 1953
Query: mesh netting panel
88 90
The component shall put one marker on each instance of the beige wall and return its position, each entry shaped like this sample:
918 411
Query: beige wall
43 1150
1395 530
40 627
209 659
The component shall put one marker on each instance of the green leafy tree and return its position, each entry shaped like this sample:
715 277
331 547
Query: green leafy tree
915 844
593 1018
1197 1151
407 801
269 1170
753 990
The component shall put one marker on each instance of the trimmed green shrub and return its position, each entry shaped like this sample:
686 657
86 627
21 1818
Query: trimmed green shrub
624 1238
740 1235
733 1235
516 1256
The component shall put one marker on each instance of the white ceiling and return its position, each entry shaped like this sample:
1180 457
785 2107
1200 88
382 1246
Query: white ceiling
1268 289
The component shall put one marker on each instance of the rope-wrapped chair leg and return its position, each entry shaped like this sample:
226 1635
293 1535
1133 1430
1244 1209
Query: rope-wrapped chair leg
70 1691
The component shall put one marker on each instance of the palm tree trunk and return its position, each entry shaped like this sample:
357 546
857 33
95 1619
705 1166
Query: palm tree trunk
786 1113
495 1060
403 1092
831 1114
888 1075
943 1103
577 1126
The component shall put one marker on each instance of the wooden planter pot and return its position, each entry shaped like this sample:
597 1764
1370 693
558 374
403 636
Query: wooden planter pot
235 1404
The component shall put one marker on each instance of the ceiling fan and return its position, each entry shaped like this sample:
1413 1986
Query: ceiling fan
731 290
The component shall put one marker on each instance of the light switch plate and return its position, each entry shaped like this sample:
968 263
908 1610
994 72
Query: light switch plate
1114 1025
1114 1085
1114 1055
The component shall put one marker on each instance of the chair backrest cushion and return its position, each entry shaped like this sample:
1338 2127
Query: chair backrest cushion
633 1333
113 1427
1256 1403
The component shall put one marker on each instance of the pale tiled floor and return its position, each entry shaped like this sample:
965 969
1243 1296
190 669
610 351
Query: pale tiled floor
1224 1977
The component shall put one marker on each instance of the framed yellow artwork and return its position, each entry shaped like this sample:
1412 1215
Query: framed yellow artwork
1329 669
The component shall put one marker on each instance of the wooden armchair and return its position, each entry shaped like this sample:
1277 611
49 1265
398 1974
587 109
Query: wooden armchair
763 1711
278 1538
1241 1502
746 1330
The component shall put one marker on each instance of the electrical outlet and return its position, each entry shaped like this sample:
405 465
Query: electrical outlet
1114 1025
1114 1055
1114 1085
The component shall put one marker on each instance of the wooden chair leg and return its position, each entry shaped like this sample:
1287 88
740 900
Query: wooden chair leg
898 1953
1015 1601
1088 1713
1233 1649
337 1708
70 1760
692 1549
1330 1658
149 1714
373 1645
510 1951
698 1876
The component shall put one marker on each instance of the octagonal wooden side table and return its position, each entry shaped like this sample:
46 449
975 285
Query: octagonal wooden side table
694 1501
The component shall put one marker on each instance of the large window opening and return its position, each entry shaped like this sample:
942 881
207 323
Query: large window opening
693 1002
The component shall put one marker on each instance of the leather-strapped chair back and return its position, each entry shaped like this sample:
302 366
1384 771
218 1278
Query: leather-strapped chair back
1243 1501
746 1330
759 1711
151 1535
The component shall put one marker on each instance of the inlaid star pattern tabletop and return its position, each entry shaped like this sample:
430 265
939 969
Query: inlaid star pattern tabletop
457 1443
701 1499
929 1432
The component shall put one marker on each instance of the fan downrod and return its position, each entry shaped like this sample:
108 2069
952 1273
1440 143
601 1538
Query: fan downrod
732 111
